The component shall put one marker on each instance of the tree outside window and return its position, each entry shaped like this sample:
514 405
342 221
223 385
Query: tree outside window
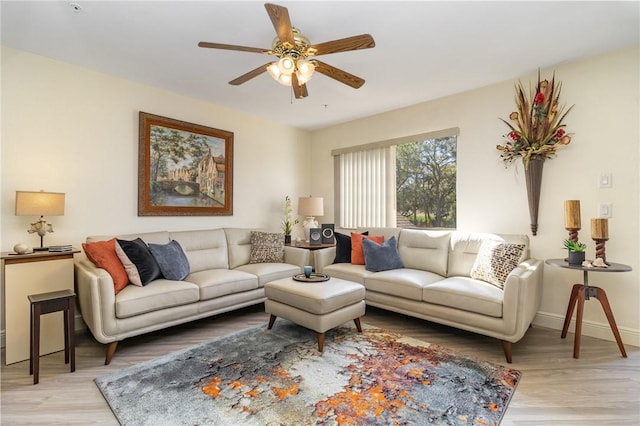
426 183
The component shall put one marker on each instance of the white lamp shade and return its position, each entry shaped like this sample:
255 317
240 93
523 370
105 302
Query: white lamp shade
31 203
310 206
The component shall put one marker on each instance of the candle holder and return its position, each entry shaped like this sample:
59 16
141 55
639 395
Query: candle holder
573 234
600 253
572 218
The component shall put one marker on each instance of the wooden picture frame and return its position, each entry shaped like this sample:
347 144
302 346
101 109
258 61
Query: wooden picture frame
184 169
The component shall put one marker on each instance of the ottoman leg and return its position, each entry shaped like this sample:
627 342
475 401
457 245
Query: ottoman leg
320 341
272 319
356 321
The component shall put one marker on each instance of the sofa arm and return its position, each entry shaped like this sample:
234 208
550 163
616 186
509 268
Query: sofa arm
323 257
97 300
522 297
296 256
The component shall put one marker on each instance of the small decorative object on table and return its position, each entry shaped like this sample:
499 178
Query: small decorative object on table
576 252
313 278
536 132
22 248
600 234
288 222
307 271
572 218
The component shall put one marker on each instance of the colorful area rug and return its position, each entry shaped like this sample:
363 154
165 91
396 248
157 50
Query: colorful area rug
278 377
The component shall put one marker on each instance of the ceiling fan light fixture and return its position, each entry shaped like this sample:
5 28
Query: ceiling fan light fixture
287 65
273 70
305 68
284 79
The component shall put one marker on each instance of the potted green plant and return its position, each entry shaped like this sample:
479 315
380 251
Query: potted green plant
576 252
287 221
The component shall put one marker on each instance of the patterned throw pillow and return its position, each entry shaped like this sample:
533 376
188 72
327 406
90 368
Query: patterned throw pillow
267 247
495 261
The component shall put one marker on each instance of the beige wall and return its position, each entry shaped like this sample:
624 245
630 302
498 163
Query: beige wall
68 129
71 130
605 121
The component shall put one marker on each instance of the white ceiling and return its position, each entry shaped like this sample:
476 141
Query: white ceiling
424 50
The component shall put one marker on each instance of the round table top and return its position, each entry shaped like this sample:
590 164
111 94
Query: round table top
613 267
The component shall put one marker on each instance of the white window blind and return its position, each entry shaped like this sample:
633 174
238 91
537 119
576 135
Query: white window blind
365 188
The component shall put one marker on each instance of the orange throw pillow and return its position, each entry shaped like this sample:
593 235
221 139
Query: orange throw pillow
103 255
357 255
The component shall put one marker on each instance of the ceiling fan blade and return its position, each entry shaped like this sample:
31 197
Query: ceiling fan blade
233 47
362 41
338 74
280 18
251 74
299 91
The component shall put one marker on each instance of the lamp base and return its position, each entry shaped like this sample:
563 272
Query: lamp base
309 222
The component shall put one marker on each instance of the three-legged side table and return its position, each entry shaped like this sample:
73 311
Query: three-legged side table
582 292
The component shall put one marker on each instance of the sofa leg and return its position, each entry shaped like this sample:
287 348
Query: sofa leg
506 347
111 349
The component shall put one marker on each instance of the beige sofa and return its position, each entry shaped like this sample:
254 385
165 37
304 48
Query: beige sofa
435 283
220 279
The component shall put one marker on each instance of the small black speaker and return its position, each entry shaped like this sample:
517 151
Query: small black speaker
327 233
315 236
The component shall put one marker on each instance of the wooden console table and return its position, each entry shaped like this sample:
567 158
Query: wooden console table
582 292
25 274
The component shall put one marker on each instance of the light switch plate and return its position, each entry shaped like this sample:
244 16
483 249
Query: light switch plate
605 210
604 180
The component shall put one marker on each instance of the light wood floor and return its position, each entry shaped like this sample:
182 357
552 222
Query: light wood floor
600 388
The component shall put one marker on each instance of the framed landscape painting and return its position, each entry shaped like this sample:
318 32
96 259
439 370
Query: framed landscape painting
184 169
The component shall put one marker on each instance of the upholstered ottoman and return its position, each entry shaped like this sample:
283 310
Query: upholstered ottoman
319 306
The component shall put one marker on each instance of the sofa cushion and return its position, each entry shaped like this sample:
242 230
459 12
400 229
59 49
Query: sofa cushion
205 249
406 283
138 261
343 247
159 294
357 255
381 257
221 282
270 271
171 259
495 261
424 249
267 247
347 271
239 243
467 294
103 255
464 247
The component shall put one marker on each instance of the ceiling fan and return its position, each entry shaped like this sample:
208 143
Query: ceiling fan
293 50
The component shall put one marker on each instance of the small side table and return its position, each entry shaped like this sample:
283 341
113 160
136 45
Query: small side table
582 292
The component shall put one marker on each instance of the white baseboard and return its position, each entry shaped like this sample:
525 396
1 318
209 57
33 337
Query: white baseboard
78 323
589 328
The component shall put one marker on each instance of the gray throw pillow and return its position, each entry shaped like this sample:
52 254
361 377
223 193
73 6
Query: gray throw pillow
381 257
172 260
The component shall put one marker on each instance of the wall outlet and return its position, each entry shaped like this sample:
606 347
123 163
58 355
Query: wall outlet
605 210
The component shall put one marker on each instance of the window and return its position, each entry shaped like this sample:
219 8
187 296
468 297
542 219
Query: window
405 182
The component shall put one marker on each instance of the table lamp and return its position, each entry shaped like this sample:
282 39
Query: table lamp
31 203
310 207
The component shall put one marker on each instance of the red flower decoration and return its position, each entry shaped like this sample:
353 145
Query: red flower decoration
514 136
559 133
539 98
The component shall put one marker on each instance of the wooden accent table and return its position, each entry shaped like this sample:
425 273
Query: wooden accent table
25 274
582 292
307 245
